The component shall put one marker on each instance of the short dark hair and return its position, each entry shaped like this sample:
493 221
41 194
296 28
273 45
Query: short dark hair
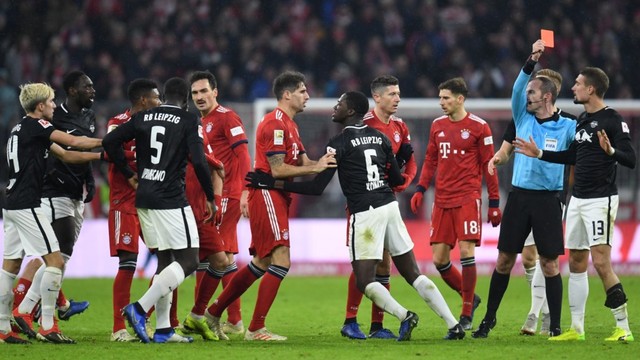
597 78
382 82
357 101
547 86
288 80
139 88
176 89
70 79
206 74
456 85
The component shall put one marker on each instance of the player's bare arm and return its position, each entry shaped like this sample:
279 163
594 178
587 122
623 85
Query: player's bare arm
244 203
73 157
78 142
133 181
280 170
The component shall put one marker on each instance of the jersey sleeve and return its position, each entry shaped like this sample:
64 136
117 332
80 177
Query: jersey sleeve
234 129
273 135
42 128
486 153
411 167
510 132
430 161
112 144
621 141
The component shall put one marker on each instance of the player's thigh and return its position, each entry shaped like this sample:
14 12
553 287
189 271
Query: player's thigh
366 234
124 231
467 220
34 231
269 222
442 227
210 240
596 222
515 225
228 228
397 239
173 229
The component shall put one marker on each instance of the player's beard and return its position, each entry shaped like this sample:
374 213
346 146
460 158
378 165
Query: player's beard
579 102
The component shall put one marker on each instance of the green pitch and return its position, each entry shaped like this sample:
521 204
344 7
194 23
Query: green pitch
310 310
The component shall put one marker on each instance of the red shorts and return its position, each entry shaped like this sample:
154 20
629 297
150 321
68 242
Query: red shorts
210 240
449 225
124 231
228 228
269 221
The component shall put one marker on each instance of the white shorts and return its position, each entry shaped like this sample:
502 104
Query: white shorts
27 233
590 222
529 240
370 232
169 229
61 207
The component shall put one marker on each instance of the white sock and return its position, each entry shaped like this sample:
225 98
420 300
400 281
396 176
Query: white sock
578 293
431 295
163 307
382 297
32 296
6 300
528 274
49 288
621 316
164 283
538 291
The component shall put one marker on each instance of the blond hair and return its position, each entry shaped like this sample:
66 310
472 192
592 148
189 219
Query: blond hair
33 94
553 76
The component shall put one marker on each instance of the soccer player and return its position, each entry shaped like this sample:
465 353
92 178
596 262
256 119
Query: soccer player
460 148
27 232
534 201
124 225
530 262
594 202
226 134
164 137
364 156
280 152
385 91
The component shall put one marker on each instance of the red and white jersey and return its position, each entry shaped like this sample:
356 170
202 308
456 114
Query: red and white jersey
460 152
277 134
398 132
193 191
225 131
122 196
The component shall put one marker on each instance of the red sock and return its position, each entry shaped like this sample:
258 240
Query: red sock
173 311
233 310
469 276
266 295
62 300
121 296
240 282
206 288
377 314
354 298
199 276
20 291
452 277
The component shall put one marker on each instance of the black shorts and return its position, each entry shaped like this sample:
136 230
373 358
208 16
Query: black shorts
532 210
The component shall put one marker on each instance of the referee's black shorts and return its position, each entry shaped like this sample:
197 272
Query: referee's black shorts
532 210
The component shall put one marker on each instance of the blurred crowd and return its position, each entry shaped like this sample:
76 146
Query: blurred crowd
340 45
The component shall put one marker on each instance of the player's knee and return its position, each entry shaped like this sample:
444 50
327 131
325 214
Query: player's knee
615 297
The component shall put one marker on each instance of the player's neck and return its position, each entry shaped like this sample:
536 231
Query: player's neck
287 110
458 115
72 106
594 105
207 112
384 116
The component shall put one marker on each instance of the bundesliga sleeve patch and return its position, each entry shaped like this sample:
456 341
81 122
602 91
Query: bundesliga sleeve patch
200 132
278 137
331 150
625 127
45 124
237 131
488 140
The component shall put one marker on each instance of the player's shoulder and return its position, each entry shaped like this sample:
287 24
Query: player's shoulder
119 119
225 110
396 119
476 118
439 119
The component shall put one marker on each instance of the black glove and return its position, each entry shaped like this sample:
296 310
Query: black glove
404 154
260 180
91 191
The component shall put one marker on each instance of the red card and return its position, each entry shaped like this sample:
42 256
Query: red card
547 37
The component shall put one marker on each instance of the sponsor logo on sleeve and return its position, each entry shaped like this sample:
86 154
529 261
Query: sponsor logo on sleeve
237 131
625 128
278 137
488 140
44 123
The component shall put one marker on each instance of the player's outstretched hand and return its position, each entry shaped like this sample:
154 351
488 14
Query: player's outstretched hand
605 144
260 180
133 181
327 160
528 148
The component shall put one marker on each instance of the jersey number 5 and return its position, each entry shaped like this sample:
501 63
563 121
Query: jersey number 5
156 144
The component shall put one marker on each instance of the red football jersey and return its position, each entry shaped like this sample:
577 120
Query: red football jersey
225 131
460 151
193 190
122 196
398 132
277 134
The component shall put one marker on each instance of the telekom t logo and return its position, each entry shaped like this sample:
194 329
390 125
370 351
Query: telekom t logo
445 149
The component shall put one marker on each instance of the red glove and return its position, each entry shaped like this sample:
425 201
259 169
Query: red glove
403 187
494 214
416 199
218 201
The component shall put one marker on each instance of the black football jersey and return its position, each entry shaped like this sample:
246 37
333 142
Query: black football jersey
362 154
27 152
164 136
63 179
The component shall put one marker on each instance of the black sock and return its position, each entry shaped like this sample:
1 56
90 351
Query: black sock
497 288
554 299
375 326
